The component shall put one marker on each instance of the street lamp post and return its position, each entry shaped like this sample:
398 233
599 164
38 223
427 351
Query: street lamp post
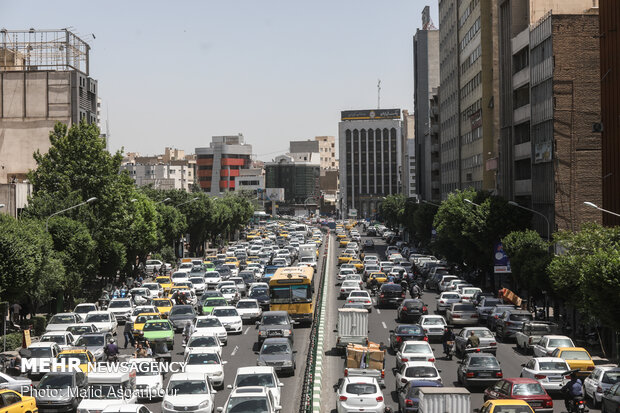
513 203
89 200
430 203
471 202
590 204
163 201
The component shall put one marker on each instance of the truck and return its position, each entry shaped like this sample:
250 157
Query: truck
444 399
352 327
308 251
365 361
531 332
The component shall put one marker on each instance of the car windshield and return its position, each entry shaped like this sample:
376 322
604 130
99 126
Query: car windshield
187 387
408 330
417 348
139 292
247 404
77 330
203 358
204 341
69 356
208 322
560 342
433 322
181 310
256 379
225 312
119 304
359 294
482 333
40 352
197 280
421 371
520 317
213 303
228 290
91 341
464 308
56 381
361 388
483 362
83 309
450 296
259 292
212 275
528 389
162 326
144 318
553 365
274 320
105 391
279 348
140 310
165 280
491 302
53 338
62 319
575 355
247 304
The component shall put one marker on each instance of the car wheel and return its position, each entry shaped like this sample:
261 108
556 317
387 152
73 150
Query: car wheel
595 403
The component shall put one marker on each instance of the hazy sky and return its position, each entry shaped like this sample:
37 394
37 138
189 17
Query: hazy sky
175 73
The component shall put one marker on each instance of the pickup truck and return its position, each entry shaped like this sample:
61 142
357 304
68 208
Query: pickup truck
531 333
366 363
352 327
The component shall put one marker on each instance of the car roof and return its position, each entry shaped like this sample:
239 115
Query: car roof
256 370
42 344
188 376
552 359
419 364
357 379
249 390
517 380
276 340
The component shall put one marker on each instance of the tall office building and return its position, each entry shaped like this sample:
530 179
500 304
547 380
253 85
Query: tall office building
369 144
221 162
299 178
408 169
325 146
425 79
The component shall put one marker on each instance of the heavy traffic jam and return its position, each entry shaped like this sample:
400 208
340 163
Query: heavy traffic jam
230 332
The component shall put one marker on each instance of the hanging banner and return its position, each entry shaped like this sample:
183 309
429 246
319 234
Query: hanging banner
501 262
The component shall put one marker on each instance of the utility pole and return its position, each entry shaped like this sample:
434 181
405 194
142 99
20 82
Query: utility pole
379 94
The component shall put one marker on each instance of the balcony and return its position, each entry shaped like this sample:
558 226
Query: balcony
523 151
435 129
520 41
523 187
522 77
435 166
521 114
435 147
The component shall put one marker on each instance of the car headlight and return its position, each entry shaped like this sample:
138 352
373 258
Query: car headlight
204 404
262 333
261 363
288 332
168 405
98 352
287 363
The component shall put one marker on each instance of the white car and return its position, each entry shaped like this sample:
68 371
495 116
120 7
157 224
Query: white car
344 272
230 293
156 289
185 267
259 376
249 309
84 308
445 301
203 340
212 278
142 309
149 380
199 284
433 325
258 285
121 308
188 390
140 295
105 321
59 322
206 361
354 277
41 353
548 344
78 329
361 297
347 287
258 397
548 371
414 350
64 339
229 317
360 394
227 283
468 293
416 370
156 265
98 397
600 380
208 324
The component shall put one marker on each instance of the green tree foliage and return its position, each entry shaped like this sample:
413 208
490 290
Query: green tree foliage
423 222
529 257
392 210
587 272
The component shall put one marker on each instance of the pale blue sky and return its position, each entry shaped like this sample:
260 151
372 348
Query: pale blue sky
174 73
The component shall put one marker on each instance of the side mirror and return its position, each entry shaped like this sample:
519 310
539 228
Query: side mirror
294 351
391 331
224 362
523 365
229 387
256 352
280 384
257 323
278 408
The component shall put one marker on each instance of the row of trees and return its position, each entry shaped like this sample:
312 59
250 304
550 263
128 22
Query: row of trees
582 268
75 252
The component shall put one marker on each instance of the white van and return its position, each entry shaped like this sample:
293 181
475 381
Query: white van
107 389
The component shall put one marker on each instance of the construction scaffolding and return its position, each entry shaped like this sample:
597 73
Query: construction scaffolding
34 50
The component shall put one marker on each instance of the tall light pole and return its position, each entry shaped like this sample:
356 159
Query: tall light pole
163 201
471 202
89 200
430 203
513 203
590 204
186 202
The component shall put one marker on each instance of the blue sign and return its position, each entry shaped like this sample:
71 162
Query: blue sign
500 259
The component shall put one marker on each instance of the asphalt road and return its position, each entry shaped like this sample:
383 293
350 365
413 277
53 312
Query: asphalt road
383 320
239 352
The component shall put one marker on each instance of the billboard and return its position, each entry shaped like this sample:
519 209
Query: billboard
370 114
274 194
500 259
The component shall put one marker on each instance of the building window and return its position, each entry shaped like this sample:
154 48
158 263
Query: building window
520 60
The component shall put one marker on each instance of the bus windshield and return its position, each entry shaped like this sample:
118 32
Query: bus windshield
288 294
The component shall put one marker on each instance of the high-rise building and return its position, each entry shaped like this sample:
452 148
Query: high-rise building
425 79
221 162
549 84
299 178
370 159
44 79
408 171
325 146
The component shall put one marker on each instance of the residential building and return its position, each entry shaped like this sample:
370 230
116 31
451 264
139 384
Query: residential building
609 14
37 90
221 162
408 172
173 175
549 73
370 159
410 189
426 79
323 145
251 180
300 179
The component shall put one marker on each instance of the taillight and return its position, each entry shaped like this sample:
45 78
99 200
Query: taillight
474 315
442 302
496 317
567 377
470 374
404 308
508 323
456 316
399 339
408 403
540 376
379 398
499 374
581 402
425 338
548 403
342 290
493 344
346 372
343 398
432 359
424 309
382 295
403 295
382 374
404 360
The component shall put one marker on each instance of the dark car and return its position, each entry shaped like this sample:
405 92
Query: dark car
181 315
390 294
225 272
369 244
371 232
485 307
94 342
277 353
528 390
478 370
510 322
406 332
408 395
262 296
411 310
478 297
611 399
60 391
275 324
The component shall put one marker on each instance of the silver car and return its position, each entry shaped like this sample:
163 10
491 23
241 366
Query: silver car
600 380
462 314
445 301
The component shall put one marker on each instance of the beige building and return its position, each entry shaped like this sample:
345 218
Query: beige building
324 146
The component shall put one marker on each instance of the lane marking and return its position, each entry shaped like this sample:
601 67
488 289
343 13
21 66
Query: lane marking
383 324
246 330
378 311
234 351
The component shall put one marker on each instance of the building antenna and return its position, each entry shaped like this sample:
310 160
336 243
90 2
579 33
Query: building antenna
379 94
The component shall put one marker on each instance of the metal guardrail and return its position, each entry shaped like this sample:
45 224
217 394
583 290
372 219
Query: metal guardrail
305 405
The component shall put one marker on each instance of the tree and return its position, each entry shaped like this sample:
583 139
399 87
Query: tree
423 222
529 257
392 209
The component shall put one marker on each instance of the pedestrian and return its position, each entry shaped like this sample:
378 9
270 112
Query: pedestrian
140 352
149 350
128 335
16 310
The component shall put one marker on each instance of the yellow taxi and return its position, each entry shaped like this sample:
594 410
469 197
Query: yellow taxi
505 406
141 320
13 402
341 235
86 358
344 258
379 276
577 358
164 305
209 259
165 282
232 260
343 242
359 265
